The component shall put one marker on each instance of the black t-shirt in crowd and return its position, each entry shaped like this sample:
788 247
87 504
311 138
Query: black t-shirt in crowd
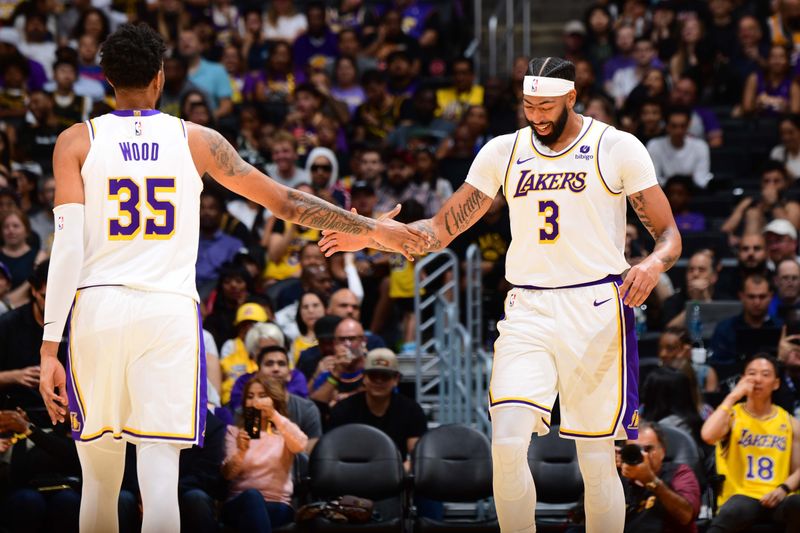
403 420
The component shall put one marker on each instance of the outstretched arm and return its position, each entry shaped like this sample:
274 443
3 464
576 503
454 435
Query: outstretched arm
655 214
213 155
459 213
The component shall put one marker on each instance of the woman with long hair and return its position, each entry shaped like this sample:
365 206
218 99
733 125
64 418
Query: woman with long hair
260 469
283 23
279 78
691 53
772 90
667 398
788 151
310 309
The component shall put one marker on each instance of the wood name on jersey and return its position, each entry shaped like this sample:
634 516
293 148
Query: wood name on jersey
133 151
530 181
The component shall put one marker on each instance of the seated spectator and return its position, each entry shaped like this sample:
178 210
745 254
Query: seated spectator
380 405
600 108
267 335
751 49
625 79
320 358
379 114
275 85
674 347
702 273
693 52
667 399
350 46
345 84
751 256
235 359
624 38
678 153
781 238
401 80
679 194
753 213
788 151
599 45
704 123
37 136
399 185
318 46
419 121
283 23
68 104
283 168
311 308
755 296
273 363
756 489
200 481
787 290
453 101
233 290
36 42
260 470
233 63
322 166
208 75
659 495
341 377
772 91
18 256
650 121
216 247
315 277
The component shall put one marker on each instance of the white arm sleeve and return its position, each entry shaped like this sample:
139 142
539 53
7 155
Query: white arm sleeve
66 261
353 280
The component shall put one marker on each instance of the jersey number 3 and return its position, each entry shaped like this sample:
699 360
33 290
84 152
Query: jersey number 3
549 210
128 196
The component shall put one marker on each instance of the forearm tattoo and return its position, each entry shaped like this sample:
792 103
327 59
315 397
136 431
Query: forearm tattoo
426 226
226 158
310 211
663 239
459 217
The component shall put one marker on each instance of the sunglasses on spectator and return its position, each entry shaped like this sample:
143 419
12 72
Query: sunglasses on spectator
325 168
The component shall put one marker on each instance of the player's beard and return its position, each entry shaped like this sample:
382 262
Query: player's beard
557 128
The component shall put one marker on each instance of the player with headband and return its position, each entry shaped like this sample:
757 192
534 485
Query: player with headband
568 328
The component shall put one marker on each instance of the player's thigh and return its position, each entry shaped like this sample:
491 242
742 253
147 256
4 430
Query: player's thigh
595 360
164 381
523 370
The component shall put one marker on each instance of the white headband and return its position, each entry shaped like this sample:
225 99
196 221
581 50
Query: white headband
541 86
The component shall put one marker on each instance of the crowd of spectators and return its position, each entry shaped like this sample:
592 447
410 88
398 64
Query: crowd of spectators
373 104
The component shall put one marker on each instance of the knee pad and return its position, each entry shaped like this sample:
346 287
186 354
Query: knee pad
512 476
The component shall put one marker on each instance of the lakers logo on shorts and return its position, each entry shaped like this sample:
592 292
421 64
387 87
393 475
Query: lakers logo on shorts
74 421
634 420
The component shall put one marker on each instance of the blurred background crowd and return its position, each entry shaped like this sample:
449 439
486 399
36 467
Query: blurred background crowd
369 105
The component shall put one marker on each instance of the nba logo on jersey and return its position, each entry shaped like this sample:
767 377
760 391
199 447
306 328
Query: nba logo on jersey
137 127
511 300
60 224
534 85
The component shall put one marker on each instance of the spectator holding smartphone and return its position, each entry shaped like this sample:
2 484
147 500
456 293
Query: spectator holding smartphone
259 456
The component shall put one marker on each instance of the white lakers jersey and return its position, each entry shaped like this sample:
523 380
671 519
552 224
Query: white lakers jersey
142 204
567 208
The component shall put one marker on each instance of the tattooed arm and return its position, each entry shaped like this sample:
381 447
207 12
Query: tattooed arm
655 214
459 213
213 155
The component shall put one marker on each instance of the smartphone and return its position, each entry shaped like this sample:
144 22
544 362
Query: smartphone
252 422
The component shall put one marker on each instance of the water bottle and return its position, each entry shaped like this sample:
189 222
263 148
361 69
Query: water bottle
695 325
640 315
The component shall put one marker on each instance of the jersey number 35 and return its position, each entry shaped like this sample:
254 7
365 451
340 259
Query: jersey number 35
126 192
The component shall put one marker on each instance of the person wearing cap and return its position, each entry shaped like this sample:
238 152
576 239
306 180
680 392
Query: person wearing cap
755 295
568 179
574 40
381 406
781 238
235 359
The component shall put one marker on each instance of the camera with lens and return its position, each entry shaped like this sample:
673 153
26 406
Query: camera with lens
631 454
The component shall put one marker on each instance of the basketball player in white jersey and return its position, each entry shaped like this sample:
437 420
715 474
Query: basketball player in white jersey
568 326
123 271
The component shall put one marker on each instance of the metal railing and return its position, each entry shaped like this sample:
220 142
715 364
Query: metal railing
452 368
500 51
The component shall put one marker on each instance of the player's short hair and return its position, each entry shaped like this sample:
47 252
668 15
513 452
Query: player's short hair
552 67
132 56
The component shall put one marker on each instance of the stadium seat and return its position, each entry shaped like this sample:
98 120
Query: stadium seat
715 240
362 461
559 485
441 453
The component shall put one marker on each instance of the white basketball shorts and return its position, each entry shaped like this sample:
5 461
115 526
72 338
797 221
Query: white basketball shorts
578 343
136 366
